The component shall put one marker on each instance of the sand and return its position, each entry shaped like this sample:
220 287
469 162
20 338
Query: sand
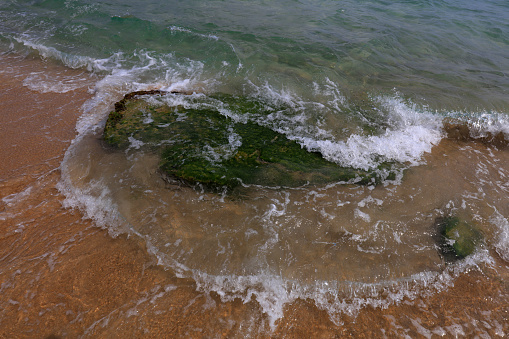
61 276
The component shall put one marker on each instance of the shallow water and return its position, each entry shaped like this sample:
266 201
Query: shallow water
360 84
341 245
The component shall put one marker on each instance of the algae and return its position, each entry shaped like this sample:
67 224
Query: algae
459 238
198 144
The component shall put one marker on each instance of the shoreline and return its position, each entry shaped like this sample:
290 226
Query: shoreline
60 275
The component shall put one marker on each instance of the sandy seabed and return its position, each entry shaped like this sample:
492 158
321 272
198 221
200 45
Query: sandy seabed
61 276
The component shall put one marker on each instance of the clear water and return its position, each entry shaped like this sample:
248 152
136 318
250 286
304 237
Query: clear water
365 82
453 52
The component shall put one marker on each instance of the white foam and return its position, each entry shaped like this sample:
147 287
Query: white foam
412 134
135 143
420 329
95 203
331 89
186 30
16 198
455 330
120 81
41 82
273 292
70 60
362 215
439 331
268 93
225 151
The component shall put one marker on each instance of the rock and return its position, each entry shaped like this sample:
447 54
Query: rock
198 144
458 238
461 131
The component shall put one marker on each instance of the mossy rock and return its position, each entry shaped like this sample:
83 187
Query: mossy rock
458 237
198 144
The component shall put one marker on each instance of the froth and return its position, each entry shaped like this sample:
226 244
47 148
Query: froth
367 152
273 292
142 76
483 123
41 82
100 208
410 133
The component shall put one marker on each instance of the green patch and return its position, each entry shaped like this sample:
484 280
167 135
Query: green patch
458 237
198 144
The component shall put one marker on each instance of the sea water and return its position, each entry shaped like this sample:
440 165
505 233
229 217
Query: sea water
363 83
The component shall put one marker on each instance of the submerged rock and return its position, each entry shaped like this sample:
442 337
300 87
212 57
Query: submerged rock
458 238
462 131
198 144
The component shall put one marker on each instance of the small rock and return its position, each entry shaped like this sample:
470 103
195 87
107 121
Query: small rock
458 238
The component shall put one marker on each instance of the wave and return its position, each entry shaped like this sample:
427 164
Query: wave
491 129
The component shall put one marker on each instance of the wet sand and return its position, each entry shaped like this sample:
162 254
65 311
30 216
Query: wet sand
61 276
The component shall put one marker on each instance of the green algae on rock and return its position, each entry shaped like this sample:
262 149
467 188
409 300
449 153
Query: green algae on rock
458 237
198 144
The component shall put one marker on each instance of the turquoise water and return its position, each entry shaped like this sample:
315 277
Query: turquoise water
362 82
449 54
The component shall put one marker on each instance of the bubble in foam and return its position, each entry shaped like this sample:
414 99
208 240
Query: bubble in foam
94 200
273 292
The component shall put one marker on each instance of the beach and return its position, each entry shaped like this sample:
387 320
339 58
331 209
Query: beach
254 169
63 276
